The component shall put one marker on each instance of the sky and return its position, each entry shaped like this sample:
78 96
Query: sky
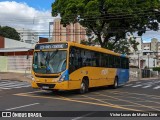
27 14
36 15
37 4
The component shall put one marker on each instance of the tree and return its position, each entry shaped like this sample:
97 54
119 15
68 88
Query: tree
157 69
9 32
110 20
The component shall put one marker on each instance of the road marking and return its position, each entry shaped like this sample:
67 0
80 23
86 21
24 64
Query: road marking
77 118
98 100
128 101
11 83
135 94
5 88
78 101
21 84
156 87
138 82
137 85
147 86
22 106
157 82
129 85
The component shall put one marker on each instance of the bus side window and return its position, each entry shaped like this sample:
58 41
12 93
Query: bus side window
97 59
111 61
75 59
71 60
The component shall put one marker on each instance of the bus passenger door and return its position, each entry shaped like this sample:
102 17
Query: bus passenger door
74 65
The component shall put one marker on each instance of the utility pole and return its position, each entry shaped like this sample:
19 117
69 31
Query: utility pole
50 23
148 60
138 65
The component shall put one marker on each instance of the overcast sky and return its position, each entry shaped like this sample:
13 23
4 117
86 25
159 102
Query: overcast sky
21 15
36 15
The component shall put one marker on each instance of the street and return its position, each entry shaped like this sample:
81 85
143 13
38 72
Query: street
140 95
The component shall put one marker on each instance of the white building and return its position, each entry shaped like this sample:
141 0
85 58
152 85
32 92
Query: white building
145 56
28 36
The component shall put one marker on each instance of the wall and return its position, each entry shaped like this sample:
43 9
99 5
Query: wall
15 64
3 63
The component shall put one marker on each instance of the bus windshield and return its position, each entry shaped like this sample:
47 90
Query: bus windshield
49 62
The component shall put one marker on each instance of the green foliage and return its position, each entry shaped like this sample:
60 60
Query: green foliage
9 32
156 69
110 20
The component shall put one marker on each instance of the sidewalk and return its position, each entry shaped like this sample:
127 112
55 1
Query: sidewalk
15 76
151 78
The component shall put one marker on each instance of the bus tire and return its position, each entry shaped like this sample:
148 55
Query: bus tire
83 87
115 85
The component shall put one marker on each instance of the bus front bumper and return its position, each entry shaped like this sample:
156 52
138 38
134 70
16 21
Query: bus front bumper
50 86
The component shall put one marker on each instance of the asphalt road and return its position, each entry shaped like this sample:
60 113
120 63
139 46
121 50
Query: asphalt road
135 96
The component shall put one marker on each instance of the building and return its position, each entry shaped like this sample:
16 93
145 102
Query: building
72 32
154 46
28 36
13 55
146 54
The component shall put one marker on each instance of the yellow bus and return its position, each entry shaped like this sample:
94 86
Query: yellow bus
70 66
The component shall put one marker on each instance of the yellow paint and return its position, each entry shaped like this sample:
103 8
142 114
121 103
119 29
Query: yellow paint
78 101
129 102
154 96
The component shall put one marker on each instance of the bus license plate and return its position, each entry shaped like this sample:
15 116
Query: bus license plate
45 87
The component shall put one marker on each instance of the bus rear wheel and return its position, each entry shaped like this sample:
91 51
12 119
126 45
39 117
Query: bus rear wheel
115 85
83 87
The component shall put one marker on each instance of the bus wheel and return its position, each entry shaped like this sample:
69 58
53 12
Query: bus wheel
115 85
83 87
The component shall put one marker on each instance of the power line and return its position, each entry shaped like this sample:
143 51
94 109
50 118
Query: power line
91 17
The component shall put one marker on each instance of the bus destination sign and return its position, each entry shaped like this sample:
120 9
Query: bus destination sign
51 46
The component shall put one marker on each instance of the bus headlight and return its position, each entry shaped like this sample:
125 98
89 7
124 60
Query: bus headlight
33 79
61 79
64 76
